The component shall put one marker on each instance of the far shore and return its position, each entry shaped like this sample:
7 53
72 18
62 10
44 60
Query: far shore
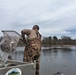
57 45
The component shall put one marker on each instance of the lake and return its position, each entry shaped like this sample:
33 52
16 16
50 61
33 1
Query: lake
54 59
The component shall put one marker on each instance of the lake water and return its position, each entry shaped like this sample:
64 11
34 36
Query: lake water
54 60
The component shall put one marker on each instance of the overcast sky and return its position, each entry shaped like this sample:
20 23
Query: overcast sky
55 17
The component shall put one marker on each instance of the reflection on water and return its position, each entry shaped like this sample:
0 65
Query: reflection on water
54 60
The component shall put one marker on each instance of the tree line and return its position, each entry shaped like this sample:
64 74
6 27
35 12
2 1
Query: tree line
64 40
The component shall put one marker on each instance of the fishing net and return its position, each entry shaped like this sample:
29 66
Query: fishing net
8 43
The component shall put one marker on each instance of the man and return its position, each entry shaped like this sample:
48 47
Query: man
33 45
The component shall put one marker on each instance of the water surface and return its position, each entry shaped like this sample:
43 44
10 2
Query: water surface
54 60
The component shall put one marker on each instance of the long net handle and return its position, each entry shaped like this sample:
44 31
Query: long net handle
11 31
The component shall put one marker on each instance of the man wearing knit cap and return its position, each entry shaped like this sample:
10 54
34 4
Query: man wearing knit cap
32 45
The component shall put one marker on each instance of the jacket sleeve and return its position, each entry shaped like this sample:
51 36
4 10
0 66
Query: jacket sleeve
25 32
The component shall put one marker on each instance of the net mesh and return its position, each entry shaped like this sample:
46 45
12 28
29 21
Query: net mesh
8 43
